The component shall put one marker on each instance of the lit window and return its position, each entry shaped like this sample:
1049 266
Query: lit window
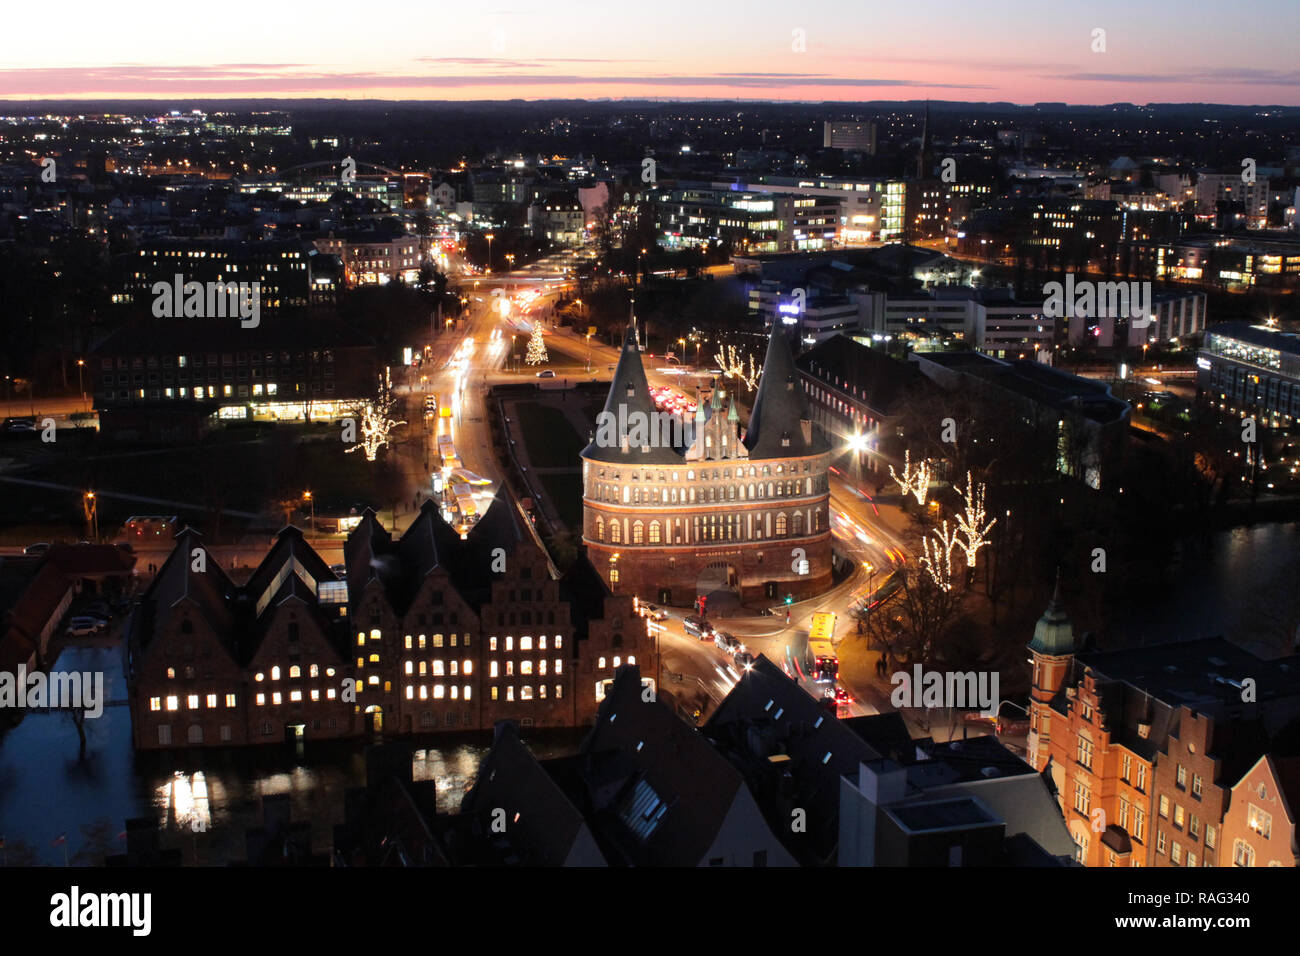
192 701
492 643
410 692
559 642
465 693
155 703
494 691
617 661
439 691
455 692
261 700
295 671
631 658
559 666
275 673
437 669
526 668
212 700
526 692
601 664
467 668
492 669
525 643
408 642
330 693
259 677
277 698
410 668
375 634
315 694
295 695
361 639
314 671
510 643
424 692
374 658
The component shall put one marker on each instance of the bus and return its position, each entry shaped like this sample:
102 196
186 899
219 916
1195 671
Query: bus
824 665
447 453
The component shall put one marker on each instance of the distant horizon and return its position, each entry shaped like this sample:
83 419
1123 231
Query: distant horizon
1115 51
934 103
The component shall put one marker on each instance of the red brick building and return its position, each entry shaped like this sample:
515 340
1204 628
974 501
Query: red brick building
429 632
670 513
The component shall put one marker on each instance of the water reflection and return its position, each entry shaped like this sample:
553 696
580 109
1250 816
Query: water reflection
204 800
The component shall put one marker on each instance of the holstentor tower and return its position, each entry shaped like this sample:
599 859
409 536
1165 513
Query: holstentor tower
722 507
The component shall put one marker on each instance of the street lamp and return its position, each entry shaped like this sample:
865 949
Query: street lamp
307 495
81 364
857 442
588 351
91 509
490 237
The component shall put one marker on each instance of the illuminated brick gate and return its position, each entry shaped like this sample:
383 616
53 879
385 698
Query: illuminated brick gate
658 516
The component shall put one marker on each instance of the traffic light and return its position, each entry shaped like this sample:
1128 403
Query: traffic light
789 599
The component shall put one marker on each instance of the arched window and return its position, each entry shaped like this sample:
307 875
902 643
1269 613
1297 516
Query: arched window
654 532
780 524
613 576
638 532
295 670
615 532
807 486
798 523
600 529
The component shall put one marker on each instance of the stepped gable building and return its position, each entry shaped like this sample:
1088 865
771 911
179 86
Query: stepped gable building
1145 745
723 509
429 632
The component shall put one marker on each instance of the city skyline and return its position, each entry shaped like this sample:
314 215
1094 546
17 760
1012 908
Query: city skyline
813 53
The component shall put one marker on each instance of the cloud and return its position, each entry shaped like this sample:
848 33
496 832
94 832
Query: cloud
1248 77
273 79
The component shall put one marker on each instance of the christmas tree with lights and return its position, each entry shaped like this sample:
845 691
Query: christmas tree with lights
536 348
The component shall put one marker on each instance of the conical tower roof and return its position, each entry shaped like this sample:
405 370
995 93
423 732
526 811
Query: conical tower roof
629 401
781 407
1054 634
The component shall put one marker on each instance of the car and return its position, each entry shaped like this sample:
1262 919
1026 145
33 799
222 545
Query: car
81 626
699 627
340 571
842 696
743 660
20 425
546 373
658 614
36 550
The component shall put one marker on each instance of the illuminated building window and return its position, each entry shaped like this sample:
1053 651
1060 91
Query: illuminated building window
410 668
314 671
455 692
559 691
259 677
559 666
423 668
601 663
437 640
492 669
455 668
192 701
330 693
510 643
375 634
559 642
275 673
492 643
374 658
295 671
230 700
631 659
525 643
410 692
155 703
526 668
277 698
510 692
465 692
424 692
295 695
494 691
423 641
212 700
373 680
329 672
408 642
439 691
261 700
541 667
541 691
171 673
361 662
541 644
361 639
315 694
437 669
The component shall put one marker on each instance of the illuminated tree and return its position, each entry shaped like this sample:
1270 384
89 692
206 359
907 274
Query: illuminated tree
936 557
536 347
913 482
733 366
375 423
970 522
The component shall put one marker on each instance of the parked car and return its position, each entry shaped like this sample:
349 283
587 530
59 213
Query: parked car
19 425
82 626
340 571
546 373
699 627
36 550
